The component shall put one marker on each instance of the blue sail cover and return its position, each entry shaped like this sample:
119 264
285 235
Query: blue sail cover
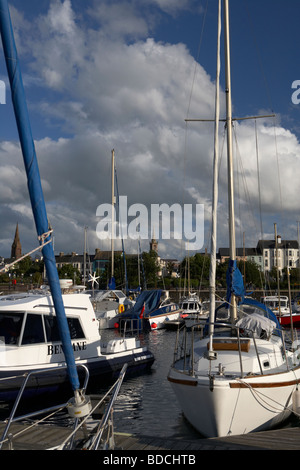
235 282
34 184
147 301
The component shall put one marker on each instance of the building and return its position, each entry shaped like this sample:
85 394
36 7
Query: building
284 255
101 259
16 248
95 262
266 254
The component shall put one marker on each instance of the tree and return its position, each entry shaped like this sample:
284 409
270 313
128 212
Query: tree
151 268
253 275
198 267
67 271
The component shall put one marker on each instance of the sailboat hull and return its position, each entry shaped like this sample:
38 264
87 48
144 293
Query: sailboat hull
232 406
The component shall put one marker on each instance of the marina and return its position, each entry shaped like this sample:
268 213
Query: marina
226 381
147 416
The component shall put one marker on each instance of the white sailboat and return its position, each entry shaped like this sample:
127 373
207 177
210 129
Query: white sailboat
239 376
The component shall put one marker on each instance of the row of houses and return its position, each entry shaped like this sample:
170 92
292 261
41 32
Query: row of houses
268 254
97 262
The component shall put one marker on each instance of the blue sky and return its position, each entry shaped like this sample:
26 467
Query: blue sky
102 74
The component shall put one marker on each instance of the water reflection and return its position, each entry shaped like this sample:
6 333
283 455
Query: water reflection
147 404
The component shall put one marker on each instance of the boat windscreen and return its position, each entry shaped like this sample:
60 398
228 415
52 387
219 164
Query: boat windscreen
10 327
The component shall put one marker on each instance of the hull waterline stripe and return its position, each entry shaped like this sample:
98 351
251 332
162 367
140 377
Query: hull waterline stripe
264 385
192 383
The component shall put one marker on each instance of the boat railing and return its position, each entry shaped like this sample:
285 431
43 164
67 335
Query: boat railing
12 418
238 341
94 439
130 326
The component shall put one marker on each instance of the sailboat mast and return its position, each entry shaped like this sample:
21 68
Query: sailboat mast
232 245
113 209
34 186
212 269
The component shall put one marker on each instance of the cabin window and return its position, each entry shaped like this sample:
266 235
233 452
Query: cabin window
52 331
33 331
10 327
76 331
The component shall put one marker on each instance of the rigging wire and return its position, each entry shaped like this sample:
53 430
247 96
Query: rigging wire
189 105
260 61
258 180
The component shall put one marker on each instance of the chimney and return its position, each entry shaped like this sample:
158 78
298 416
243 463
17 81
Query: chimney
279 239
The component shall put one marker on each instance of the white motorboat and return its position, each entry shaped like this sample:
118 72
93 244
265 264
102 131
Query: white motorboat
108 304
29 340
240 376
278 304
190 306
281 307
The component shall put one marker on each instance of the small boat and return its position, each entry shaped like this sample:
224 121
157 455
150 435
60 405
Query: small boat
108 304
191 306
283 313
272 301
151 312
29 341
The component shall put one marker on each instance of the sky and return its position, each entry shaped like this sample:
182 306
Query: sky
125 75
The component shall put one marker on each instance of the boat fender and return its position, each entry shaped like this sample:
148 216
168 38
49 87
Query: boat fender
296 401
79 410
116 325
121 308
153 326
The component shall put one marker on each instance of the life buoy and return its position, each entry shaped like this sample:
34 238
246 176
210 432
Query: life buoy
121 308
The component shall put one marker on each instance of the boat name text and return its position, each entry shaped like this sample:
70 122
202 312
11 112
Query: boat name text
58 349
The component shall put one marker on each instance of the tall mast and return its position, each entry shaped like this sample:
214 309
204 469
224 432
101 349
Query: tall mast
35 187
232 246
113 209
212 269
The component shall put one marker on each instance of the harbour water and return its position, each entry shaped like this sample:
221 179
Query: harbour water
147 404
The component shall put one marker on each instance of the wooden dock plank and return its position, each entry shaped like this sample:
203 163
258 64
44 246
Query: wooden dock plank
49 436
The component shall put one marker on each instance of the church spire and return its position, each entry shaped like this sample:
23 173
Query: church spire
154 243
16 248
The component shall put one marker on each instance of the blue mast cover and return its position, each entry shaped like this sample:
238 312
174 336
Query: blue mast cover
147 301
235 282
34 184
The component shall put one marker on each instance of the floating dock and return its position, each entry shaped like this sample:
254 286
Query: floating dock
42 437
